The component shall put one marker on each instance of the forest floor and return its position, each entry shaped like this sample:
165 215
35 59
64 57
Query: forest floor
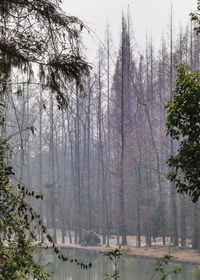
156 251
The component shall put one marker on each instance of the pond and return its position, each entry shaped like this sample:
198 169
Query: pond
130 268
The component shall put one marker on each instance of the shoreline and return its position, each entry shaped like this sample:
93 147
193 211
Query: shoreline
181 256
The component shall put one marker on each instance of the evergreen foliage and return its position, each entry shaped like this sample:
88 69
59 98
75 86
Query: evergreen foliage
183 119
43 43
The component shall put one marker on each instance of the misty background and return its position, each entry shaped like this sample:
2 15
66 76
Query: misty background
101 163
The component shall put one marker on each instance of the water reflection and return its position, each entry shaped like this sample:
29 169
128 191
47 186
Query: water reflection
130 268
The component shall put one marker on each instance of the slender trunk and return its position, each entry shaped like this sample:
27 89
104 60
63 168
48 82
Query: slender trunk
52 171
88 161
122 136
40 161
183 222
138 208
78 179
195 235
64 180
173 187
72 160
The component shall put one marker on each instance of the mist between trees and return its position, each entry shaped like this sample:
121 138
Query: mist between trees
101 163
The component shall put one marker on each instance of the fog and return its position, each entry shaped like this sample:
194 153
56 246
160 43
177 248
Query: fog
101 162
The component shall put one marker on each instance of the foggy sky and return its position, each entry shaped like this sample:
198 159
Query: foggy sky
148 17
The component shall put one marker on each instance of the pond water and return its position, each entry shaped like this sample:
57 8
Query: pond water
130 268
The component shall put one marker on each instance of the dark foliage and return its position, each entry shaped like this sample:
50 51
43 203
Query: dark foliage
183 119
41 41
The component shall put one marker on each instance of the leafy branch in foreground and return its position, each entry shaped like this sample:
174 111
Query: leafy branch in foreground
195 17
16 240
18 236
161 264
196 273
114 256
160 267
35 217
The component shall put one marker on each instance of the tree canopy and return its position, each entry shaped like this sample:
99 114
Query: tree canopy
43 42
183 125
